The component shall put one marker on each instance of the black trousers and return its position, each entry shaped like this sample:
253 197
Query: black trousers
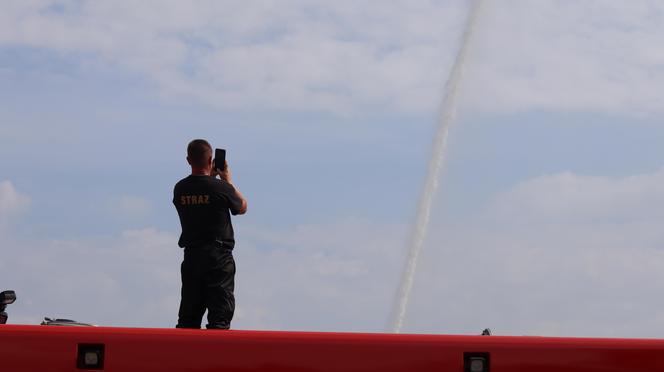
208 281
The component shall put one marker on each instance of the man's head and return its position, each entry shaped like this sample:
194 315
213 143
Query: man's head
199 154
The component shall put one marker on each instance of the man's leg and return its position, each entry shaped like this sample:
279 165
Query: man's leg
219 297
192 301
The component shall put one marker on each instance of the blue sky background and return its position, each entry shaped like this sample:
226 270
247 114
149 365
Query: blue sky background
547 220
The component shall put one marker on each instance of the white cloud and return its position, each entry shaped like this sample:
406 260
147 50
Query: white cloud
569 255
561 254
565 55
129 206
336 276
291 55
132 279
11 202
346 56
570 197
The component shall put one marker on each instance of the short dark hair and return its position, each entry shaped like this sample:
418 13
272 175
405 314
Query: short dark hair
198 152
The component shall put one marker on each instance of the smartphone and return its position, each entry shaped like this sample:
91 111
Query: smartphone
220 159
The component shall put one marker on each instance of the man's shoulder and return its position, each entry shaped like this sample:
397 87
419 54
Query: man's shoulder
183 182
191 181
197 181
222 185
216 185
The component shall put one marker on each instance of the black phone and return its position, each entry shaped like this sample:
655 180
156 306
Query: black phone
220 159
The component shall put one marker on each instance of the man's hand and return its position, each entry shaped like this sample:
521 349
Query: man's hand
226 173
223 174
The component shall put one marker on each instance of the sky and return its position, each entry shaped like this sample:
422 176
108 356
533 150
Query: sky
547 221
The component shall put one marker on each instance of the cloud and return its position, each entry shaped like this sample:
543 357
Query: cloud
11 202
558 255
349 56
131 279
129 207
294 55
544 280
552 55
571 197
338 276
335 276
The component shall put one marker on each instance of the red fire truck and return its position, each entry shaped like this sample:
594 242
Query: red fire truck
61 348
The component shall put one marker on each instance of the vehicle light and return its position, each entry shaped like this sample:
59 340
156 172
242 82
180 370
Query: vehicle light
476 362
90 356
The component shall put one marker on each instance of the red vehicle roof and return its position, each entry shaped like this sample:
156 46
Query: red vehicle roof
58 348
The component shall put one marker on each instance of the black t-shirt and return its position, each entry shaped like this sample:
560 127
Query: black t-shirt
203 204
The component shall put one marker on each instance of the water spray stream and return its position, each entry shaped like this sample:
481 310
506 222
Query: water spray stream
448 113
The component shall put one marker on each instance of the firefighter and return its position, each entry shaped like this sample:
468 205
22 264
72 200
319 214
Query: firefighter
205 201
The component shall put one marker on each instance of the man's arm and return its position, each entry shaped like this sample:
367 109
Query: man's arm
225 175
243 208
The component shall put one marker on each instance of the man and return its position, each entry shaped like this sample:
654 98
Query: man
203 203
